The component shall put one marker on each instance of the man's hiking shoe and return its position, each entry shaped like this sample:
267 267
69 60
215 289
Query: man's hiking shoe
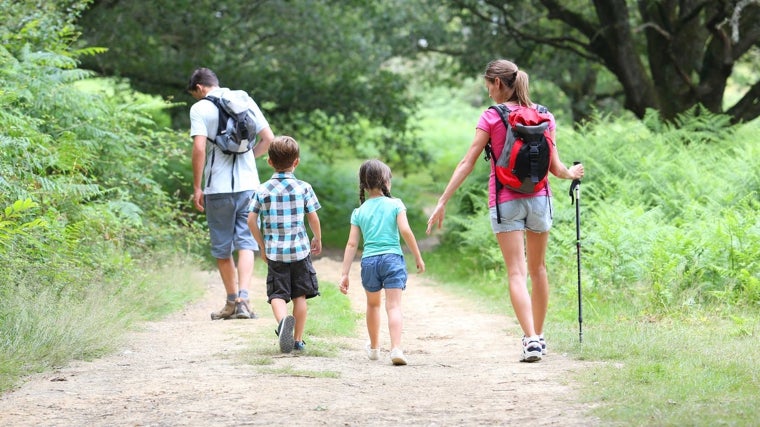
243 310
285 332
397 357
299 346
543 344
531 349
225 313
372 353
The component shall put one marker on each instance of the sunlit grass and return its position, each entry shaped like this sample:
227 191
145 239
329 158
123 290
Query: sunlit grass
49 328
291 371
330 317
700 367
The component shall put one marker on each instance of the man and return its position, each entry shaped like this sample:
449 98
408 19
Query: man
223 186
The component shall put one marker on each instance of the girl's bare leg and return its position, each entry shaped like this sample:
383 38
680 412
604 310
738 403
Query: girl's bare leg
374 300
395 315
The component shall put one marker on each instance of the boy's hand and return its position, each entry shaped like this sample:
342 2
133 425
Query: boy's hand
316 246
344 284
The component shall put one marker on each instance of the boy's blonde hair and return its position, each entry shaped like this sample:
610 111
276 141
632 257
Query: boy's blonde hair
283 152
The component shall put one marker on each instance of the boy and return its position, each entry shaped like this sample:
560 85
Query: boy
280 204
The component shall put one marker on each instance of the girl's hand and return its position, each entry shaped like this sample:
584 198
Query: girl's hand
344 284
420 266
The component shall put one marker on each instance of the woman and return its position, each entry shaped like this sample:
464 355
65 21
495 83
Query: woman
525 218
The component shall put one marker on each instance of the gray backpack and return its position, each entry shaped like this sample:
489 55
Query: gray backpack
237 127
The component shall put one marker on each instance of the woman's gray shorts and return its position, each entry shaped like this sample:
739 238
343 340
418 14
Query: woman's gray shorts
530 213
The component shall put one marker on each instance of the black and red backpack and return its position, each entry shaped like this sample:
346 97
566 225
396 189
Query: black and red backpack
523 164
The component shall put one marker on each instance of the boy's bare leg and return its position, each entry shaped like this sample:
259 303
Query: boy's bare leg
300 311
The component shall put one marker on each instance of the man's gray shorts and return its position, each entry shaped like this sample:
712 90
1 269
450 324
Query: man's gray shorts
227 217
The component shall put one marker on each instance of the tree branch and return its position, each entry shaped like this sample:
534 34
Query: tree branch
747 108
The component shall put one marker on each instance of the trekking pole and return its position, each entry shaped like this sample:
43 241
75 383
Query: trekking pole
575 198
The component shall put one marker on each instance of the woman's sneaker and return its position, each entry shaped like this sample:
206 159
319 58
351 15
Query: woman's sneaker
372 353
531 349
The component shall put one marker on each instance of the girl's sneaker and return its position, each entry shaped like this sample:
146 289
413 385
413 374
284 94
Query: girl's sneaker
372 353
531 349
299 346
543 344
397 357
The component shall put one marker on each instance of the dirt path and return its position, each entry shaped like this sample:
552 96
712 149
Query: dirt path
188 371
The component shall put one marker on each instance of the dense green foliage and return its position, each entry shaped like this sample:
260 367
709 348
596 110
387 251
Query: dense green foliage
668 214
321 69
603 55
82 215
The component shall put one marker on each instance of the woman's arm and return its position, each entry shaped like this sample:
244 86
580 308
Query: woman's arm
558 169
462 171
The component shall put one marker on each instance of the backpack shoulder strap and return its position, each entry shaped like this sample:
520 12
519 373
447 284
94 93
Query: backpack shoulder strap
503 112
541 109
214 99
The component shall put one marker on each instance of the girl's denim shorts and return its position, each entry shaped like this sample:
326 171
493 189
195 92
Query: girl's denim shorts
384 271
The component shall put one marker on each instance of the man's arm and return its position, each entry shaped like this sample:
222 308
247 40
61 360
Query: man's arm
199 160
266 136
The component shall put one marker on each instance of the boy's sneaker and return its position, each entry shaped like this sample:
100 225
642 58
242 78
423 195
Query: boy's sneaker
372 353
397 357
543 344
299 346
226 312
243 310
285 332
531 349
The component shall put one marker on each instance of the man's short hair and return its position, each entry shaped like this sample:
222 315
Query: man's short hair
203 77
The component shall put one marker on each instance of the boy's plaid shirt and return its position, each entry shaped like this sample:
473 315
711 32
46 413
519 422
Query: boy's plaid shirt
281 204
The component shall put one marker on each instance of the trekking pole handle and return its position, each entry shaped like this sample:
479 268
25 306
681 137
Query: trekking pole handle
575 187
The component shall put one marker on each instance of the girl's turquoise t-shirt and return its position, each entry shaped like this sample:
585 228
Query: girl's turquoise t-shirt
376 218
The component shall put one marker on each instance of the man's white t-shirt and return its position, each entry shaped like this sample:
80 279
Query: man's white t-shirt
222 170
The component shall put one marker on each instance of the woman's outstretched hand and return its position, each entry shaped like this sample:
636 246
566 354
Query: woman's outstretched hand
436 218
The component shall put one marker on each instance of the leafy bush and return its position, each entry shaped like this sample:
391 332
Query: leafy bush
82 219
668 214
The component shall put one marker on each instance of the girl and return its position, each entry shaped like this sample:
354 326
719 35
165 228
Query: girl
378 220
